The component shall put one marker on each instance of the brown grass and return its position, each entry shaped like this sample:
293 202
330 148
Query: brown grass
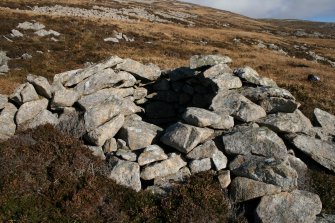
172 45
47 176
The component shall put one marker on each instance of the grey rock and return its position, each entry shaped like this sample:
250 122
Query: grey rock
287 122
258 141
325 218
266 170
16 33
164 168
43 118
169 180
250 75
97 151
134 117
121 144
185 137
111 39
128 107
297 206
298 165
102 113
139 134
106 131
197 166
65 76
148 72
3 63
3 101
100 96
43 32
217 70
110 146
41 85
256 94
140 93
323 134
241 108
219 160
26 56
227 81
30 26
127 155
7 124
30 110
198 61
248 111
244 189
106 78
64 98
205 150
82 74
226 122
28 93
325 120
152 153
72 122
57 86
127 174
320 151
200 117
224 179
24 93
275 105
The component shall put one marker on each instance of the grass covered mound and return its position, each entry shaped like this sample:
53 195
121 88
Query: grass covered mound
46 176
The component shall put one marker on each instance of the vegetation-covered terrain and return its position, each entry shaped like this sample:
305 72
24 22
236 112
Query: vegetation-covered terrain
47 176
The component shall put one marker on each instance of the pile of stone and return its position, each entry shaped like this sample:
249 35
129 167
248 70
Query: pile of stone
3 63
38 28
128 14
118 37
156 128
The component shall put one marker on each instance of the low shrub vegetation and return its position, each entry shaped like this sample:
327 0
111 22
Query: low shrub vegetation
46 176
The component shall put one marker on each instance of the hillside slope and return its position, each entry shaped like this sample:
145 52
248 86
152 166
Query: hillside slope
167 33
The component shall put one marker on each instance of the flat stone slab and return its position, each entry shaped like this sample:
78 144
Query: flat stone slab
164 168
198 61
296 206
148 72
127 174
29 110
200 117
244 189
152 153
320 151
77 76
266 170
251 76
106 131
325 120
185 137
7 124
139 134
258 141
287 122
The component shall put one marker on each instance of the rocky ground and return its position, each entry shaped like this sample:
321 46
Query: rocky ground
154 126
154 129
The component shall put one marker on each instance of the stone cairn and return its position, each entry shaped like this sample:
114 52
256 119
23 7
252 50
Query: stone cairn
155 128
